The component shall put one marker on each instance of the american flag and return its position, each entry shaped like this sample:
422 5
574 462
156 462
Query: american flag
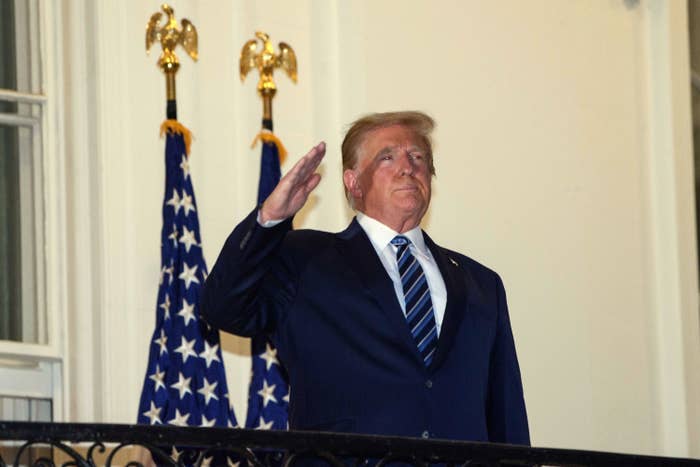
268 393
185 383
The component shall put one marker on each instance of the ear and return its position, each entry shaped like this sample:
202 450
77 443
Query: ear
352 183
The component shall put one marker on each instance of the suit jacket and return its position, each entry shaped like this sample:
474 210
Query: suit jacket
330 308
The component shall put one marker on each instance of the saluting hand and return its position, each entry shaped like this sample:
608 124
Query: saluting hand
293 189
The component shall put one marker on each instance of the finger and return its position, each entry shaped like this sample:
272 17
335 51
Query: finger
313 158
309 163
309 158
312 183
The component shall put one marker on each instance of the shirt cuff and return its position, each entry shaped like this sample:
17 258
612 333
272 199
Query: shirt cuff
270 223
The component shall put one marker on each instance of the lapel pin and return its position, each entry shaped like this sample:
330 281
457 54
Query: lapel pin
453 261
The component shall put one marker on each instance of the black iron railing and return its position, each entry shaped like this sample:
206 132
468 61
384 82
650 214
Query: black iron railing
84 445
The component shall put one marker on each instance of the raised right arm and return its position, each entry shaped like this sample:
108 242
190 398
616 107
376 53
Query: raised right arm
252 280
236 295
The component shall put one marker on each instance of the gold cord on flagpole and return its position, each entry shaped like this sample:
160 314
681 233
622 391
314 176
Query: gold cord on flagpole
266 136
173 126
169 36
265 61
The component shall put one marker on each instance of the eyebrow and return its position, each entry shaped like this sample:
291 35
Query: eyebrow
413 148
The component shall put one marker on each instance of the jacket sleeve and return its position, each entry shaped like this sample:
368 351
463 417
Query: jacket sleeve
249 282
505 407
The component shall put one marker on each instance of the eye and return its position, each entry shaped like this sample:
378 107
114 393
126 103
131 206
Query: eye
417 156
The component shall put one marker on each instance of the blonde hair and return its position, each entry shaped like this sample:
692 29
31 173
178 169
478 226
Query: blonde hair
418 122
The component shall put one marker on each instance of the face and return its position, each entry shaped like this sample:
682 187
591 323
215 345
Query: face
391 180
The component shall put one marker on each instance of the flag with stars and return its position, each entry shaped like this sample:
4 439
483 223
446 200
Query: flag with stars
185 383
268 393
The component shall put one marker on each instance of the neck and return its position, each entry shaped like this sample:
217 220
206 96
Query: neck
399 225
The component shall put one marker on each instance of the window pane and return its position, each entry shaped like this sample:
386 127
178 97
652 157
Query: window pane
10 264
25 409
8 52
19 53
19 319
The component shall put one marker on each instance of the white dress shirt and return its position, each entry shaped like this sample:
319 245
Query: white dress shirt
380 236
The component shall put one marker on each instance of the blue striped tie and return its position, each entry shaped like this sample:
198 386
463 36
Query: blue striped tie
419 306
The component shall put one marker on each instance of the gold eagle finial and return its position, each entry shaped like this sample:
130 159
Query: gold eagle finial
169 37
266 61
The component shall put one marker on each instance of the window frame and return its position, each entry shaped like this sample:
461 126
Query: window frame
48 257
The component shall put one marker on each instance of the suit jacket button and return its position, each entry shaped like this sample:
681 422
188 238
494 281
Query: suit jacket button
425 434
429 384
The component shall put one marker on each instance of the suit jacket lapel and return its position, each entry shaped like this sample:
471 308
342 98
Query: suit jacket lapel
459 284
359 253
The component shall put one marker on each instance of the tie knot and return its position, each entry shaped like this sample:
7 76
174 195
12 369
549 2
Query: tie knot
400 240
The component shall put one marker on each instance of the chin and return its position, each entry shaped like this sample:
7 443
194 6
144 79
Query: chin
410 209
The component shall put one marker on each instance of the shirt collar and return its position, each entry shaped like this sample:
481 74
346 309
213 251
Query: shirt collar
380 235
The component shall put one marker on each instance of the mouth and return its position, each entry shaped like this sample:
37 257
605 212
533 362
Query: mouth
407 188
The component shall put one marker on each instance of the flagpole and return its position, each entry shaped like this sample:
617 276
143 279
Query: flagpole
185 380
169 37
268 400
266 61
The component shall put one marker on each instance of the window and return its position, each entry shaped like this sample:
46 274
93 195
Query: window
22 315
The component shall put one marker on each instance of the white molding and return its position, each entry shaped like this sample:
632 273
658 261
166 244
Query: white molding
109 124
29 352
54 199
23 97
83 226
673 266
18 120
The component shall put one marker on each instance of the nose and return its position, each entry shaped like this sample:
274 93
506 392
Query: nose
406 162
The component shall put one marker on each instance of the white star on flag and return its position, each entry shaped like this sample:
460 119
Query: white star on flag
188 275
230 463
157 378
286 397
209 355
187 312
267 393
207 390
186 349
206 462
173 379
166 307
186 203
206 423
170 270
185 166
173 236
188 238
270 356
161 342
175 454
263 425
179 420
182 385
153 414
174 201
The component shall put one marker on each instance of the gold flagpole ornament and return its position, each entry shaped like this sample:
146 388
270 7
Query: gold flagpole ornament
266 61
169 36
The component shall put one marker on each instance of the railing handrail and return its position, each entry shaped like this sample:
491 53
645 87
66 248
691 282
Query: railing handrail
340 444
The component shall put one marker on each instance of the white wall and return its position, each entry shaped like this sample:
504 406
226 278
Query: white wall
564 162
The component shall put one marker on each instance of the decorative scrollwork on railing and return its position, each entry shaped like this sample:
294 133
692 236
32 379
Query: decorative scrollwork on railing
77 459
90 445
298 457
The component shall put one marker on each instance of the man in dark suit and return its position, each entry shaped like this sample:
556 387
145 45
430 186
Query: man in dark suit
381 330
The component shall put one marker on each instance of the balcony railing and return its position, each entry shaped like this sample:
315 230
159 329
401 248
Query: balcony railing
87 445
